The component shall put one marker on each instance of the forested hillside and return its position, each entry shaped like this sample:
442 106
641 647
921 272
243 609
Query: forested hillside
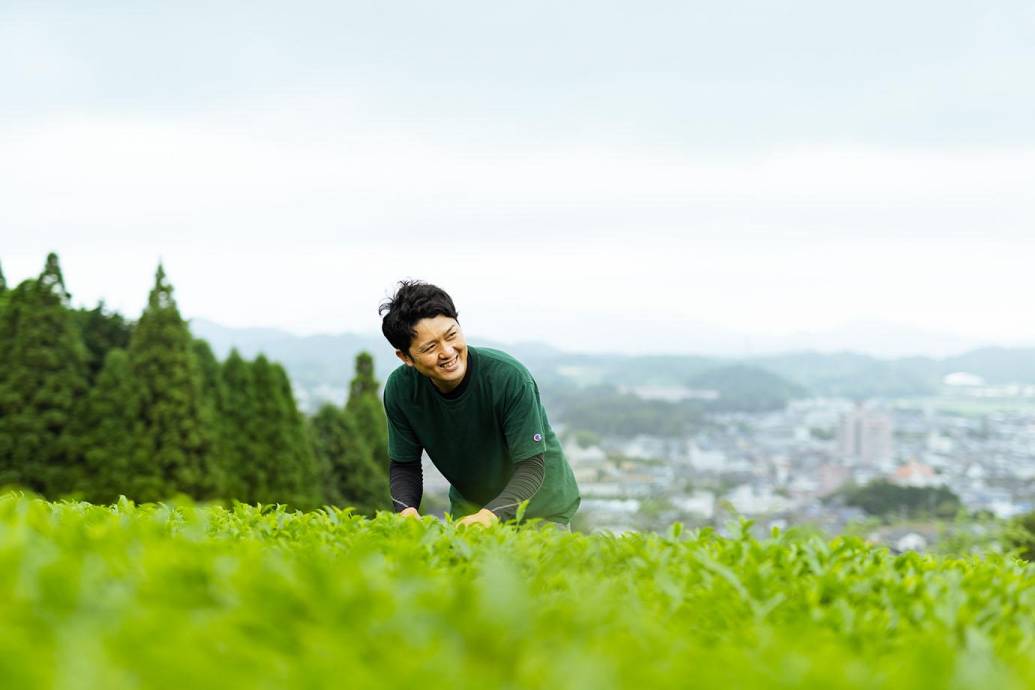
94 406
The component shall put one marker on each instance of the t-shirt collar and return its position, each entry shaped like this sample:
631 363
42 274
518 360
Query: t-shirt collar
459 390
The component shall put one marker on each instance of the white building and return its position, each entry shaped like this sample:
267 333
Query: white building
865 436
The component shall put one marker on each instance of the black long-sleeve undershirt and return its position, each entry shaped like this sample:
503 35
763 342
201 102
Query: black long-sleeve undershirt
407 486
524 483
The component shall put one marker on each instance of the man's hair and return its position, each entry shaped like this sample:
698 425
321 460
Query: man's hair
413 301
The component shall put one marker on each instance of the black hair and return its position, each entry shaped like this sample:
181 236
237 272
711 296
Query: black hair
413 301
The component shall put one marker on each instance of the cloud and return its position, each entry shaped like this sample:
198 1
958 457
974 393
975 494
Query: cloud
302 216
201 172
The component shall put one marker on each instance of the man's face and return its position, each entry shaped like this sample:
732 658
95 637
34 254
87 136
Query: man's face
438 350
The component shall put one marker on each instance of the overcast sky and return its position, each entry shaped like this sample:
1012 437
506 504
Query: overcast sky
665 176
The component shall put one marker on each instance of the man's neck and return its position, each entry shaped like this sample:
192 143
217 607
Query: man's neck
457 389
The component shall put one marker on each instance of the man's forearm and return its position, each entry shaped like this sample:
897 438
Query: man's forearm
406 480
524 483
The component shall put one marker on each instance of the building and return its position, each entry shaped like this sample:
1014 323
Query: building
865 436
915 474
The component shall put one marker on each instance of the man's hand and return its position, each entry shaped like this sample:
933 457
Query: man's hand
410 513
483 517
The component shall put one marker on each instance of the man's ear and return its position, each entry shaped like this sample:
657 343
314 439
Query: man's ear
405 358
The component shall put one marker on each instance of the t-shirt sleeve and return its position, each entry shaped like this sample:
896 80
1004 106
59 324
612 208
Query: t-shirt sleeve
403 445
522 420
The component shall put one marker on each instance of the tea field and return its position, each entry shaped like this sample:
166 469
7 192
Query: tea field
192 597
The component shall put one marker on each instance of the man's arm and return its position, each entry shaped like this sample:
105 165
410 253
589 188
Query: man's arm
407 485
524 483
405 479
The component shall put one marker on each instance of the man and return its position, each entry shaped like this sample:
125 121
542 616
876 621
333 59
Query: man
477 413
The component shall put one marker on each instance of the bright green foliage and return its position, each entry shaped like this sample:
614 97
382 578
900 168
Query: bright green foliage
101 331
352 478
163 363
365 407
285 468
42 378
183 597
108 430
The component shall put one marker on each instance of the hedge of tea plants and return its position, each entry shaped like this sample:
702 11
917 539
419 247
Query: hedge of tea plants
188 596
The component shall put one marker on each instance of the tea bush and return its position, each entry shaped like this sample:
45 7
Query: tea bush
189 597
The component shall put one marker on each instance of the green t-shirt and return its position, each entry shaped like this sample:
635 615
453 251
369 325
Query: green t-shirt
475 439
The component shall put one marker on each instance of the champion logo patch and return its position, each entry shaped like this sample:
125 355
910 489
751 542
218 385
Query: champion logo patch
537 438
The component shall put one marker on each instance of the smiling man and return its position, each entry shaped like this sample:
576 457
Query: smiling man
477 413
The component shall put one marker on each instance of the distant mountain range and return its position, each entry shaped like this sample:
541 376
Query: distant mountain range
322 365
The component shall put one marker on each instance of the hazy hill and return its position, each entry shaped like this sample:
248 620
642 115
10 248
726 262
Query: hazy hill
745 388
996 364
856 376
321 365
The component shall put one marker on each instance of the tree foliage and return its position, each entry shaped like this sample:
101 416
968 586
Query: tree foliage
109 430
1024 536
41 381
352 476
95 406
365 407
289 467
173 433
238 442
882 498
101 331
213 401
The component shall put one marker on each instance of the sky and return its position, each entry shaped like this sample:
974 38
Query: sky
679 177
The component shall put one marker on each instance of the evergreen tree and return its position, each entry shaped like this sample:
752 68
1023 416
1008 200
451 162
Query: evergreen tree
208 366
267 433
301 467
213 400
365 407
4 292
174 436
42 379
243 479
109 432
53 280
352 476
285 460
101 331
